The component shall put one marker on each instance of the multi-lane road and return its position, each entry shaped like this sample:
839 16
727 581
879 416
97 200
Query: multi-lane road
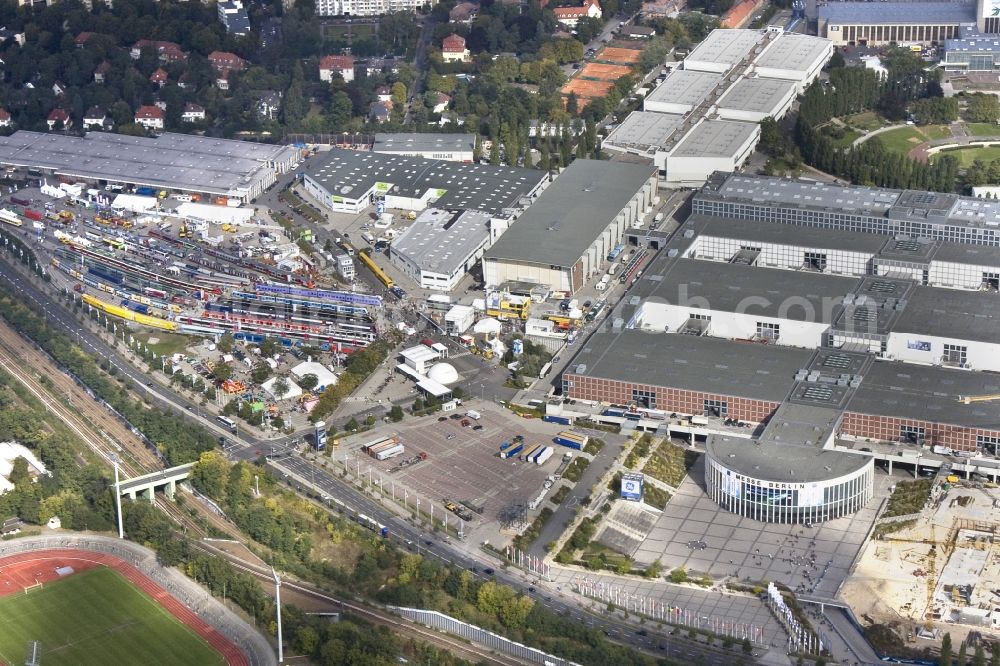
301 474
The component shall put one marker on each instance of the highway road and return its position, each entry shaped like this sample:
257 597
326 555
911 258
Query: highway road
463 555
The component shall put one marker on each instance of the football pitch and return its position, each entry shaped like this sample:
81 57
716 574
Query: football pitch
97 617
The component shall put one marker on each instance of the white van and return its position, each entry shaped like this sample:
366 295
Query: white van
182 197
658 218
369 238
613 269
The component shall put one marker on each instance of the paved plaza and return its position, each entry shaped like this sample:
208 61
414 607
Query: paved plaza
696 533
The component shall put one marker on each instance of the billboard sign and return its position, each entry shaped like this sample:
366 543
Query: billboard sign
920 345
732 485
991 8
632 487
811 495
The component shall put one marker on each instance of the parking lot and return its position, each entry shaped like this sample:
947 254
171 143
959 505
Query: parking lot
461 464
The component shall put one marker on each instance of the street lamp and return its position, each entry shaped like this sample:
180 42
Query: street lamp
118 497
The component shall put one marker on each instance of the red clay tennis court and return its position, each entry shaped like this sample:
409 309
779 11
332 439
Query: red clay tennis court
615 54
45 566
593 70
585 88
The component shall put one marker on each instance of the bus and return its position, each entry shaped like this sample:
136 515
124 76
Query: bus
229 423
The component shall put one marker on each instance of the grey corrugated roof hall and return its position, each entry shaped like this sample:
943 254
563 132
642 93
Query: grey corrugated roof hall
569 216
422 142
182 161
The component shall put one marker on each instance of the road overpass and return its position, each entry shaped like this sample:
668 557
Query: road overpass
147 483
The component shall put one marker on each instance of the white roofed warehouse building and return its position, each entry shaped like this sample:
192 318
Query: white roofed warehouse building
704 118
441 246
563 238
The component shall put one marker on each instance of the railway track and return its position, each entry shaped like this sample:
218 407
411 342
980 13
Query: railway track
402 627
99 429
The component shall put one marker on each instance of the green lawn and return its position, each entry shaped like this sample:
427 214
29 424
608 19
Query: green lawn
901 140
966 156
982 129
841 137
97 617
165 344
869 120
340 32
936 131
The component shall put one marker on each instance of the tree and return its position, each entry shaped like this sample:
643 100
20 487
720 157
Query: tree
19 474
747 646
495 152
836 60
295 103
773 139
260 373
979 658
352 425
222 371
653 570
225 344
396 413
308 382
477 149
678 575
210 475
983 108
281 388
962 658
572 104
995 655
945 656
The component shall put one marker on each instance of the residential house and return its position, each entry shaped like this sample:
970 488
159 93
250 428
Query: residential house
268 104
101 71
380 112
383 94
234 17
569 16
336 64
442 102
59 119
387 65
222 80
637 32
82 39
94 117
5 120
453 49
159 77
450 117
222 61
182 81
150 117
165 51
192 113
58 88
464 12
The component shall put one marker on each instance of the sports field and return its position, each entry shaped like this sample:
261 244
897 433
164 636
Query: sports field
97 617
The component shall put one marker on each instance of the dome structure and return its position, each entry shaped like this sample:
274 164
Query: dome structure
443 373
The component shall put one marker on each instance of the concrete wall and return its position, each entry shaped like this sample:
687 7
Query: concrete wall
980 355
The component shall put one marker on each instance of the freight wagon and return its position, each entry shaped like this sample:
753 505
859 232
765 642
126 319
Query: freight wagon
562 420
529 452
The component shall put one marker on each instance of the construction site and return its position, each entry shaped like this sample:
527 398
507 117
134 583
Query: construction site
931 571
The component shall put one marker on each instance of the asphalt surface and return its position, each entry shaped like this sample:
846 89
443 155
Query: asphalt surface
427 544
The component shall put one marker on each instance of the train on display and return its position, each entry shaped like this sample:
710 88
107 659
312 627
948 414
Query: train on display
10 217
129 315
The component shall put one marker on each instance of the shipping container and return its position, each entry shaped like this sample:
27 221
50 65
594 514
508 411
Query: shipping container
543 455
390 452
376 442
512 451
562 420
570 439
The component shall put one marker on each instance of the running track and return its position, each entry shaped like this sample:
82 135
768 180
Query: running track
18 571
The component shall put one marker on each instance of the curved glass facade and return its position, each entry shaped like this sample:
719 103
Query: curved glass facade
785 502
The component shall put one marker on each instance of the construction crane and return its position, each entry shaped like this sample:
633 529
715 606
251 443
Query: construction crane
969 399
